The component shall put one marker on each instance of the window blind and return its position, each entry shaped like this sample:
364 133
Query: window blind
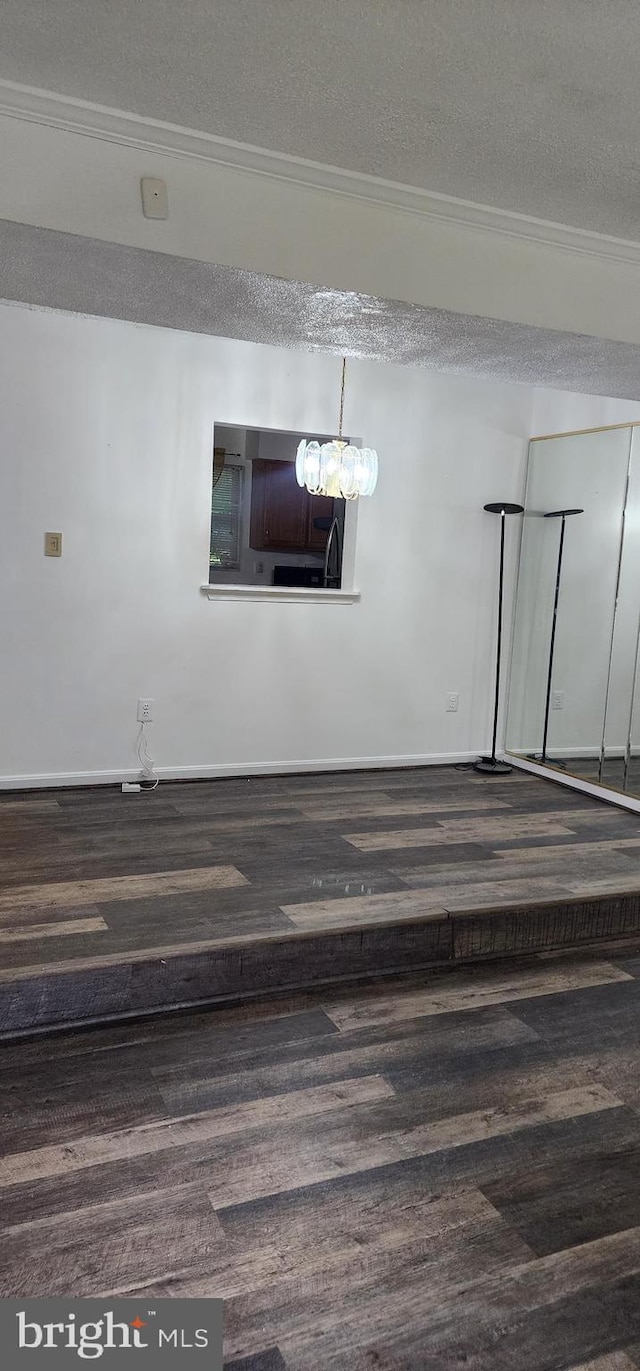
226 519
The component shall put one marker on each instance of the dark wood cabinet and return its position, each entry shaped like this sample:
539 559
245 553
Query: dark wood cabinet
320 507
283 513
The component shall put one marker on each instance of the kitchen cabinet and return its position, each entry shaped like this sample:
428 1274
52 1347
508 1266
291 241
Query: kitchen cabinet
283 513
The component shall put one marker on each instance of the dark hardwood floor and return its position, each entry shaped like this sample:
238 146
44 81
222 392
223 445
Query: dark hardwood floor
419 1175
113 904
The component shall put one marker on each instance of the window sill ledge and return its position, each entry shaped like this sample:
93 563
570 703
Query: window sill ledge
292 595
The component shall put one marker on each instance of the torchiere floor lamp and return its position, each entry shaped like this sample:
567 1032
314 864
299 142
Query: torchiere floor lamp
491 765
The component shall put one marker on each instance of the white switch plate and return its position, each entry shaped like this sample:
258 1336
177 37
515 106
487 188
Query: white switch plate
53 544
452 702
145 711
155 200
557 699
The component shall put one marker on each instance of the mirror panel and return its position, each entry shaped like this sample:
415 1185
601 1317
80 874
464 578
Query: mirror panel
566 601
629 598
614 770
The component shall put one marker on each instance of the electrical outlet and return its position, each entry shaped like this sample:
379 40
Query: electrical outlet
258 567
145 711
53 544
452 702
557 699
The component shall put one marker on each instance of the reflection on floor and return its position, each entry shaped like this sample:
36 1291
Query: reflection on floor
436 1173
613 774
138 887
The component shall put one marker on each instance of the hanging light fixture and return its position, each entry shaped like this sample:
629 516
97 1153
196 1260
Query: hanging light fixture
337 468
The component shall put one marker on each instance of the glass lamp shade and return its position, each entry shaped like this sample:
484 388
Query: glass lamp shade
337 469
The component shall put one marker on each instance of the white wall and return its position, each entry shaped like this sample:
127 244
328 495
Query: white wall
105 435
561 411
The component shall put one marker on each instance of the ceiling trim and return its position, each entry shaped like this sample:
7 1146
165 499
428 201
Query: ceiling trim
154 136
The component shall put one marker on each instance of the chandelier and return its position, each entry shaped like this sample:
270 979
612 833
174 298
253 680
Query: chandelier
337 468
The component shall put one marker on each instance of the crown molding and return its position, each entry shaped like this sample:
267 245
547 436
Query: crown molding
170 140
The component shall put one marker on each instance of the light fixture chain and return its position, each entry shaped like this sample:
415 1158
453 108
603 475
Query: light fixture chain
337 468
344 371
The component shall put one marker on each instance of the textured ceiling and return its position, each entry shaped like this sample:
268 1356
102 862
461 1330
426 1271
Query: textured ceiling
528 105
59 270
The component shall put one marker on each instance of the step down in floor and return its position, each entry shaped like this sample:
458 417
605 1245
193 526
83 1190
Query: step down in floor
148 981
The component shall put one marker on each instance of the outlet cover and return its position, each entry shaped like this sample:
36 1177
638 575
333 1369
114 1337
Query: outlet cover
155 200
557 699
53 544
145 711
452 702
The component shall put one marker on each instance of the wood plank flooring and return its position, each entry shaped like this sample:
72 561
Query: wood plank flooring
435 1172
115 904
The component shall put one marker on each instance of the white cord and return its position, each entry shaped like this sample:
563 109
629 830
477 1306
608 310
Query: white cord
145 759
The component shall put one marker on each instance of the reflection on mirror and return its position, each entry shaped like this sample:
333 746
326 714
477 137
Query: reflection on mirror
562 515
574 700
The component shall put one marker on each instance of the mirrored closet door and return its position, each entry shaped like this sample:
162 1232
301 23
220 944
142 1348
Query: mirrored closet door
574 700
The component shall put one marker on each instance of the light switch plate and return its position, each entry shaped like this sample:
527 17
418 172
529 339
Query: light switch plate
53 544
155 200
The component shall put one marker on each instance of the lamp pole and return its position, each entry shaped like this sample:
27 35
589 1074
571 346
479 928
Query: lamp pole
492 766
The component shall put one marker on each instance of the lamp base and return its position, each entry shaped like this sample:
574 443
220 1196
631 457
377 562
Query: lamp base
491 766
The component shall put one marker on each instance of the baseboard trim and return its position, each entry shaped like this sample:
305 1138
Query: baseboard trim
613 752
54 779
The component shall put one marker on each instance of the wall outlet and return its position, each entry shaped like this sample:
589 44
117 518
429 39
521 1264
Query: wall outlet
452 702
258 567
145 711
557 699
53 544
